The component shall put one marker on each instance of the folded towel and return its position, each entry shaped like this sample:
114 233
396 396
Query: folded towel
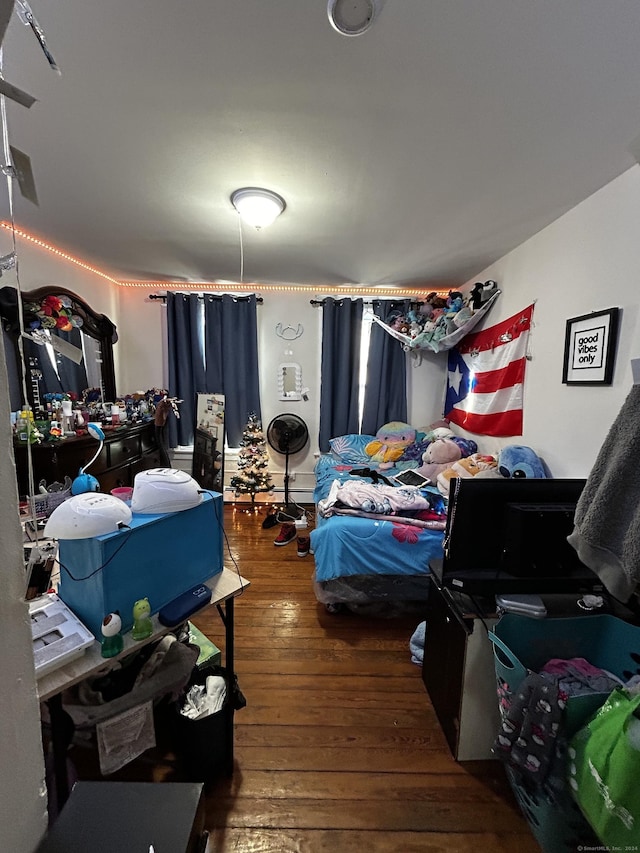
606 535
416 643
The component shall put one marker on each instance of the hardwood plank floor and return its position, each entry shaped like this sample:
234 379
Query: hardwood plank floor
338 748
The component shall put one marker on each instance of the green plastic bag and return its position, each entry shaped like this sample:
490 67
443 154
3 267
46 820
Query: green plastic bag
604 771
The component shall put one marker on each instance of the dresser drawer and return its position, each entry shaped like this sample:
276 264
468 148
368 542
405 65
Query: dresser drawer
123 450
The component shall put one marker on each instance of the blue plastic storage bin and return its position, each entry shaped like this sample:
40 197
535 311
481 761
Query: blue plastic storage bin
160 557
522 645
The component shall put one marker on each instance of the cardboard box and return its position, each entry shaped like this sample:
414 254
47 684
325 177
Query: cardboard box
159 557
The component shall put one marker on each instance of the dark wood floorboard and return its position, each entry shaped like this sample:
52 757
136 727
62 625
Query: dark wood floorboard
338 748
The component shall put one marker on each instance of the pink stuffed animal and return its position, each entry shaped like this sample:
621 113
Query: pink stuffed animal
439 456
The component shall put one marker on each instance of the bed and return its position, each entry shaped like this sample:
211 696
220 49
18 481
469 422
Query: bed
374 538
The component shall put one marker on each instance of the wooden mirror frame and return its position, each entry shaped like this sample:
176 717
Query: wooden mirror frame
97 326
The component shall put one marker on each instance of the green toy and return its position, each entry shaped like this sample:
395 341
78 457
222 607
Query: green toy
112 642
142 624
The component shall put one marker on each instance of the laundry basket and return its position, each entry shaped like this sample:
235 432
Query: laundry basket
522 645
44 503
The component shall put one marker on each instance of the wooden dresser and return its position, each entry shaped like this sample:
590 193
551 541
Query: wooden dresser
126 451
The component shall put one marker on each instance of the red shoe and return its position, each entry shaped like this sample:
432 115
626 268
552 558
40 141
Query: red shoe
304 543
287 534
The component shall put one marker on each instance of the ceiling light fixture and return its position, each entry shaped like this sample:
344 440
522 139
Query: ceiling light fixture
256 206
352 17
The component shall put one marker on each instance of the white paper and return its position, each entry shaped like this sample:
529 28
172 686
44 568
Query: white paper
66 349
125 736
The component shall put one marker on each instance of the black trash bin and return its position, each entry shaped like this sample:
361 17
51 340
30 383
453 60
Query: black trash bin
205 746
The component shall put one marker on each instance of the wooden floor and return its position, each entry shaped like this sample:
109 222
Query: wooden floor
338 748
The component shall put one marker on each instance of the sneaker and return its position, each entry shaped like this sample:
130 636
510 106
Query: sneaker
287 534
304 544
271 520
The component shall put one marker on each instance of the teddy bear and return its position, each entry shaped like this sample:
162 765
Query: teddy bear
389 444
439 455
476 465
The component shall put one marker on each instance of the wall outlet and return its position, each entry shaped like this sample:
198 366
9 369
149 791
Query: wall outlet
292 476
301 524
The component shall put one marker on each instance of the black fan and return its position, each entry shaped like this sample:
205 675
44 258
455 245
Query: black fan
288 434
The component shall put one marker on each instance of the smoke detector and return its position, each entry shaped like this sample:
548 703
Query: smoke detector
352 17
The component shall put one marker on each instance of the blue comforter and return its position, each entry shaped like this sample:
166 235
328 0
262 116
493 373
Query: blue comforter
346 546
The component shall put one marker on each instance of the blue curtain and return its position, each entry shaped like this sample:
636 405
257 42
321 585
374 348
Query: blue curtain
231 354
221 333
385 396
186 362
340 368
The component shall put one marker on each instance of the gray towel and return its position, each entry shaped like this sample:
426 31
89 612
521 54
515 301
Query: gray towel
416 643
606 535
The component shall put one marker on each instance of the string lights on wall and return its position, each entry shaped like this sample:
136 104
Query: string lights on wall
243 287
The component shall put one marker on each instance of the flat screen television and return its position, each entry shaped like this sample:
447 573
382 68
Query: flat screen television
509 535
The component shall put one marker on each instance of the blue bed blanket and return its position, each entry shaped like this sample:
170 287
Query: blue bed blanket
346 545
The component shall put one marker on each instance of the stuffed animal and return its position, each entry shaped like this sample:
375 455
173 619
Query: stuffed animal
463 316
475 465
389 444
439 455
516 460
481 293
437 429
467 445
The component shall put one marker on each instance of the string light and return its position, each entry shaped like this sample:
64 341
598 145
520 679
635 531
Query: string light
388 290
55 251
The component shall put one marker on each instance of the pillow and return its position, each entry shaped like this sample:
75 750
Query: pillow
350 448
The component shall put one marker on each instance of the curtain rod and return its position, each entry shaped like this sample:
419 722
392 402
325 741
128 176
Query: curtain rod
369 300
163 297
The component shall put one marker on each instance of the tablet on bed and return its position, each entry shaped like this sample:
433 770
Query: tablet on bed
410 477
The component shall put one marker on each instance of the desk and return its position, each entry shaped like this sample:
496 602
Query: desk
224 587
459 674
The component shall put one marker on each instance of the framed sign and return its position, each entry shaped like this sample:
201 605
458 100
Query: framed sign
590 348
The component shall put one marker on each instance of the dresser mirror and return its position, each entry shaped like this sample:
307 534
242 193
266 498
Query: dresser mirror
68 347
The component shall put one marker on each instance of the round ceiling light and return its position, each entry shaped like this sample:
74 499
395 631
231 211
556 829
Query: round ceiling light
351 17
256 206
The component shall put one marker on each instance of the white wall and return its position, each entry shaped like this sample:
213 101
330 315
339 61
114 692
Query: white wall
23 800
588 260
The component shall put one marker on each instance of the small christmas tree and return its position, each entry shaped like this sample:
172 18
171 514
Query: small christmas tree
252 476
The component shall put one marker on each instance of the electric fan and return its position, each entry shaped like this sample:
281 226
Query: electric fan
288 434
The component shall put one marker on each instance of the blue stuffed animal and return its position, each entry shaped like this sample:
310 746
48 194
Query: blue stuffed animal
518 461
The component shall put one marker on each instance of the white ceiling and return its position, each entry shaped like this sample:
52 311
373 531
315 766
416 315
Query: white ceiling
416 153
